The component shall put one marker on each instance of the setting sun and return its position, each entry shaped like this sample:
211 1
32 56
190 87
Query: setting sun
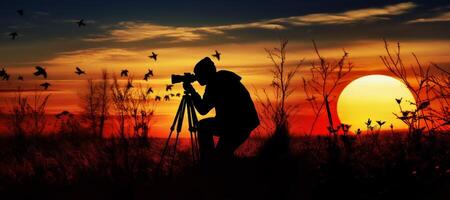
374 97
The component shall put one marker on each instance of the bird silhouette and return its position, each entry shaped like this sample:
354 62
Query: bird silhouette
20 12
79 71
166 98
59 115
157 98
14 35
149 90
148 74
40 71
169 87
45 85
124 73
178 95
154 56
81 23
217 55
172 95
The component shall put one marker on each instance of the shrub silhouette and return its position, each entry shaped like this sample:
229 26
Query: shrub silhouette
96 103
28 116
325 77
275 112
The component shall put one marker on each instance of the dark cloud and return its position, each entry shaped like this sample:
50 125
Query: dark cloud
202 23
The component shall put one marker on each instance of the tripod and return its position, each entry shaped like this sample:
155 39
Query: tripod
185 104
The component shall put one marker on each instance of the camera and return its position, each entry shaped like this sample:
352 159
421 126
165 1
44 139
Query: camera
186 78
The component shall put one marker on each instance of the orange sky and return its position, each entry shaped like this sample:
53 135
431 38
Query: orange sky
248 60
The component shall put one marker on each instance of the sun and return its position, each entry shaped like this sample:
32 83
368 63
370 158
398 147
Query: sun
374 97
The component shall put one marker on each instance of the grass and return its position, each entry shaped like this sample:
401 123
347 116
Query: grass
394 166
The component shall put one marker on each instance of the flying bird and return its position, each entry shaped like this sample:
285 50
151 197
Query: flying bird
59 115
20 12
178 94
20 78
172 95
154 56
148 74
169 87
124 73
81 23
217 55
149 90
79 71
166 98
40 71
13 35
157 98
45 85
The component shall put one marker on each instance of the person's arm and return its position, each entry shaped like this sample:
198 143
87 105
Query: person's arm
203 106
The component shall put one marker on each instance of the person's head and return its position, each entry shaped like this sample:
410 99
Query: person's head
204 70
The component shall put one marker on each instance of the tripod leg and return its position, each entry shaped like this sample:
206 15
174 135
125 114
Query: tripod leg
181 116
179 125
191 128
172 127
164 152
180 110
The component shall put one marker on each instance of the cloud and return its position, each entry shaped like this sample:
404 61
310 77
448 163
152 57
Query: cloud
352 16
444 17
137 31
96 55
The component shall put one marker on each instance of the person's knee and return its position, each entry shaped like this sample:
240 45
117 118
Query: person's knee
204 125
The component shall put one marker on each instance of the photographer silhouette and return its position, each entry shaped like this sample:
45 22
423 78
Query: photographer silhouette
236 115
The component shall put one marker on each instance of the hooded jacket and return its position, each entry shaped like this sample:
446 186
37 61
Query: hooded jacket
234 107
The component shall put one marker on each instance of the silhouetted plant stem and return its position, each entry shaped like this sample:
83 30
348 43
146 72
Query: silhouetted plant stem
330 118
422 82
105 101
325 77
